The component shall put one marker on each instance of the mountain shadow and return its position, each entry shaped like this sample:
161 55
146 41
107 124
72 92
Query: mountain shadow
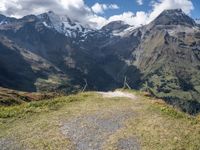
15 72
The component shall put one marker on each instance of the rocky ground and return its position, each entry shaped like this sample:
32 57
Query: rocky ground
92 131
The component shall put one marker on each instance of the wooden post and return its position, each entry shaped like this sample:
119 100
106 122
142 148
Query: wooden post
85 85
126 84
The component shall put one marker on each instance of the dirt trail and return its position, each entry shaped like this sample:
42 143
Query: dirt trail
92 131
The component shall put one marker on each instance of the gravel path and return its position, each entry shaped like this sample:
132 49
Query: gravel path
10 144
91 132
128 144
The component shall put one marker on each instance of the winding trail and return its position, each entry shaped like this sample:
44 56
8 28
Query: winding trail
92 131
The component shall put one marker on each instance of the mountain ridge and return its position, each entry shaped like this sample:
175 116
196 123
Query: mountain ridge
162 57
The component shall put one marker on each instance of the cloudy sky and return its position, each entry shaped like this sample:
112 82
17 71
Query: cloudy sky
97 13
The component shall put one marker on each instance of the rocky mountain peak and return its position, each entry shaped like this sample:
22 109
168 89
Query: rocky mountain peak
174 17
62 23
172 11
115 25
2 17
5 20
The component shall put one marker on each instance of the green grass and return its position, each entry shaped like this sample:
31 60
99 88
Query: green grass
159 126
10 101
156 125
39 106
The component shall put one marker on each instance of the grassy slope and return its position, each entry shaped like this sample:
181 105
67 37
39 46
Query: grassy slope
171 70
36 125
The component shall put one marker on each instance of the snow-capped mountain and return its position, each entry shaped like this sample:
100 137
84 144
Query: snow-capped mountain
63 24
118 28
163 56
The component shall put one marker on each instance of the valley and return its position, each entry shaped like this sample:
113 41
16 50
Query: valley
65 85
52 53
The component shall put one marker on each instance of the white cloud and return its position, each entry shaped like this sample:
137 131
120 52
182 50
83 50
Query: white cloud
72 3
100 8
96 21
24 7
130 18
140 2
136 20
2 7
141 18
198 21
78 10
113 6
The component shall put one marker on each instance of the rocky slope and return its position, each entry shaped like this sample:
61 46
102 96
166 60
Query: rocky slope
51 52
68 65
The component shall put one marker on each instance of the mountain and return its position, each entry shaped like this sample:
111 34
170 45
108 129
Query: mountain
49 52
168 57
174 17
63 24
115 26
55 49
161 57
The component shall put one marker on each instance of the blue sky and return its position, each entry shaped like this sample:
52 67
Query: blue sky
97 13
125 5
196 12
132 5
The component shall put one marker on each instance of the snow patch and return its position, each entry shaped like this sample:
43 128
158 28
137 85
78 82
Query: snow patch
3 22
63 25
123 33
197 21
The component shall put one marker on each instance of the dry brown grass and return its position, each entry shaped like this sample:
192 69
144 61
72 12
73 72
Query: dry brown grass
11 97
